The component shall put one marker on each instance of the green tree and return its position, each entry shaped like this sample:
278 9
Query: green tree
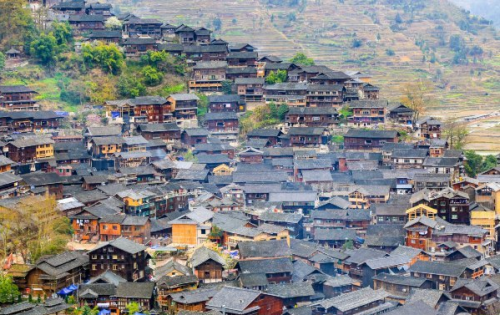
45 49
302 59
473 164
152 77
133 308
215 233
9 292
202 105
189 157
62 33
105 56
130 86
276 77
16 23
227 87
2 61
282 110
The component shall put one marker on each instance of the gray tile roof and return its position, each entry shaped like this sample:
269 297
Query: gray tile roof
123 244
204 254
291 290
264 249
137 290
268 266
353 300
234 300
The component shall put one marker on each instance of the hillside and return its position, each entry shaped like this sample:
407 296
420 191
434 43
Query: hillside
397 41
489 9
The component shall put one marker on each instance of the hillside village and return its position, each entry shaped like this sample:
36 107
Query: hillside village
332 201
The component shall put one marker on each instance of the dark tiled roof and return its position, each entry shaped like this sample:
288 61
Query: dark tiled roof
361 133
138 290
265 249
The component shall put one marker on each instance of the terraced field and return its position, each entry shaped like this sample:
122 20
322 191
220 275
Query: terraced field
327 29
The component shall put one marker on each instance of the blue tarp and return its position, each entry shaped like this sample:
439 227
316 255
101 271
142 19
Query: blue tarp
73 287
104 312
65 291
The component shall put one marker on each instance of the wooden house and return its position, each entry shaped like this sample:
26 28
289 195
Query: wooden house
53 273
137 27
191 301
70 7
207 265
306 136
205 52
105 36
106 147
401 114
225 103
429 128
30 150
99 9
193 136
83 23
208 76
368 112
18 97
221 122
251 156
137 46
326 96
184 106
122 256
168 132
242 59
185 34
312 117
368 140
250 89
141 293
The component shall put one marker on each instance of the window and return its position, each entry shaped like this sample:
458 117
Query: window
94 256
115 267
94 267
104 227
115 256
115 227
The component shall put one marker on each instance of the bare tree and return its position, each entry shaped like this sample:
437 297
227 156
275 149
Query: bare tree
455 132
417 96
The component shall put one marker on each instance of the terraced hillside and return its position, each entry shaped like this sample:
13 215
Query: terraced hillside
397 41
489 9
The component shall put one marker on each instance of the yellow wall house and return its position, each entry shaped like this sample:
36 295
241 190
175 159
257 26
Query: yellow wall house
44 151
489 196
421 210
222 170
485 218
192 228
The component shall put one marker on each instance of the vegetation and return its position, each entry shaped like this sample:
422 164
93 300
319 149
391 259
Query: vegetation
106 57
9 292
16 24
133 308
302 59
417 96
477 163
2 61
262 116
33 228
276 77
456 133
